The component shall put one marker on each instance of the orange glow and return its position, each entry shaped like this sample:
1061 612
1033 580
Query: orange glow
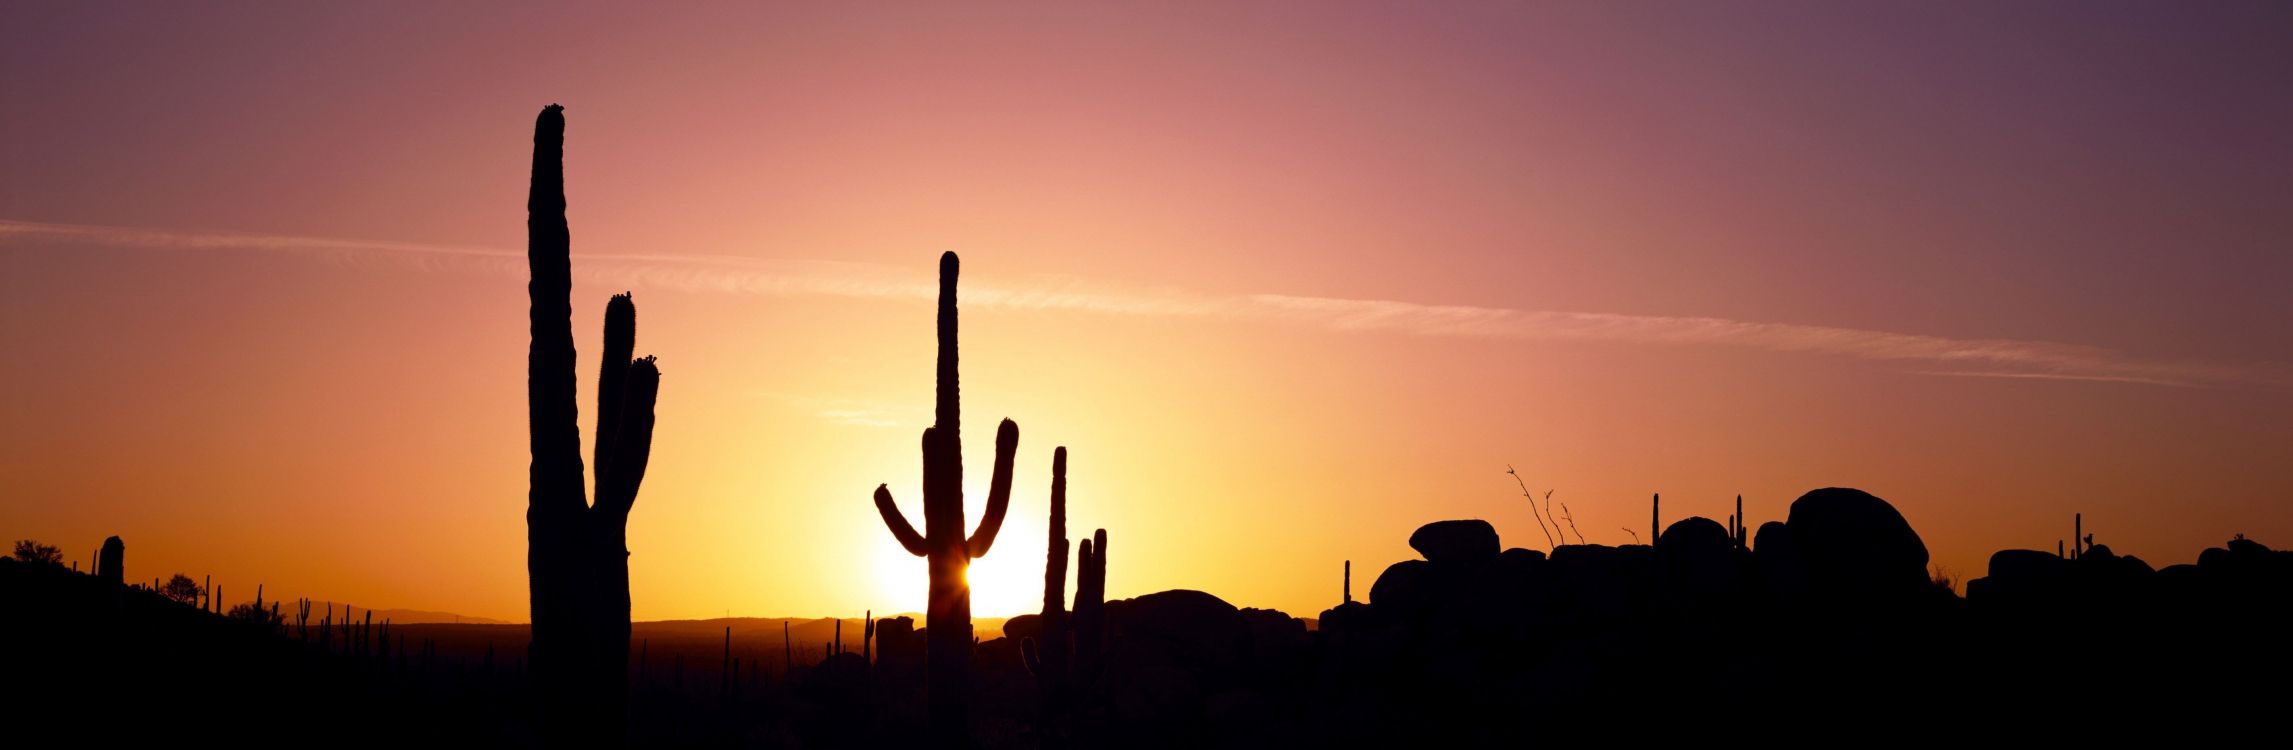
349 425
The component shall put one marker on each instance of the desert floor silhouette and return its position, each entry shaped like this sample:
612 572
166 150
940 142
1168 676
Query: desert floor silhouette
1821 628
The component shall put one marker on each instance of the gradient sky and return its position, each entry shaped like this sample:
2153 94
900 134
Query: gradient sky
1288 280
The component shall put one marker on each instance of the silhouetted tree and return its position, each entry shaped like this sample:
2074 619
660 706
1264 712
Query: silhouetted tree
254 612
182 589
948 615
577 559
32 551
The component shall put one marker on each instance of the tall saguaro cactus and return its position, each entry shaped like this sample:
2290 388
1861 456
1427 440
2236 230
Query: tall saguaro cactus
577 558
943 541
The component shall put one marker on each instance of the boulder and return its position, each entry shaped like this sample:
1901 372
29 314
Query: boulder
1772 537
1852 544
1698 559
1521 573
2026 564
1278 641
1445 542
1405 587
1168 649
1695 536
1179 616
1776 560
1023 627
2022 579
1599 582
1345 618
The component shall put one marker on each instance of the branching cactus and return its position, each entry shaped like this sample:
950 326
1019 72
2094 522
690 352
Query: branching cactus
943 541
577 558
1091 602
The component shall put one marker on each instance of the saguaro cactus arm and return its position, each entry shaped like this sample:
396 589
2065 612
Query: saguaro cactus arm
612 375
998 490
1099 560
623 472
901 529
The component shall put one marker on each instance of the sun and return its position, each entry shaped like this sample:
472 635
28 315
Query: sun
1007 582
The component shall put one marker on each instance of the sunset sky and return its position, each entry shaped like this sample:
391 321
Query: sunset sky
1287 280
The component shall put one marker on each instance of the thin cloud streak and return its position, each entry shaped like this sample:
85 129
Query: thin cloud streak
1997 358
2055 376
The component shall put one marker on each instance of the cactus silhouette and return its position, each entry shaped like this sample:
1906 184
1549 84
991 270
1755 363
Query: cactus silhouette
1090 602
1047 660
1655 523
948 612
577 558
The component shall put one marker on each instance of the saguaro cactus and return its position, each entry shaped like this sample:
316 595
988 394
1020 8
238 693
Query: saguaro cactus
948 613
1090 601
577 558
1048 659
1737 535
1655 522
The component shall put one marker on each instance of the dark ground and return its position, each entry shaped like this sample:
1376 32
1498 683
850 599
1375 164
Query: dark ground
1820 630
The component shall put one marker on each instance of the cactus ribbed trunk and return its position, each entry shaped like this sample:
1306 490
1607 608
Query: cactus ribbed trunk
1049 661
554 499
1090 603
577 554
942 543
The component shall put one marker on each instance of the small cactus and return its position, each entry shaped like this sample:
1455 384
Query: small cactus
1655 516
1738 520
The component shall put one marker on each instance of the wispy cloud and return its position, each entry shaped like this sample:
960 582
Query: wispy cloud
1995 358
853 412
